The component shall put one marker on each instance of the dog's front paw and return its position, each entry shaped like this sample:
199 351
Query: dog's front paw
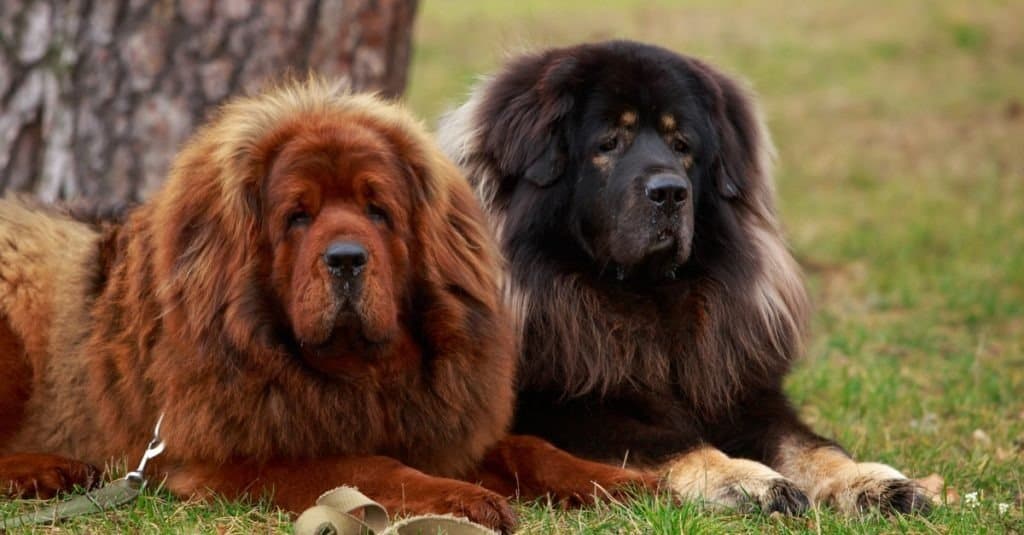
895 496
766 492
472 502
784 496
863 487
742 484
43 476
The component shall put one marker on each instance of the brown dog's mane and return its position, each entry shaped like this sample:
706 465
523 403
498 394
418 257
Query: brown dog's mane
730 325
183 321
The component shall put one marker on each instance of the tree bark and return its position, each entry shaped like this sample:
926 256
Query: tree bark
96 96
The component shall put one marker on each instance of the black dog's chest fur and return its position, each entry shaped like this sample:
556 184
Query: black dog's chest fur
608 428
635 402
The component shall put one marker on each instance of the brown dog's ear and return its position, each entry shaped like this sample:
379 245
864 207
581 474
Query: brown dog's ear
524 107
460 259
456 261
464 320
205 231
744 154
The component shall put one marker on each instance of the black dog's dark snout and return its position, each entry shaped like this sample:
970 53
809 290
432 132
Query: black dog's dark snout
667 190
345 258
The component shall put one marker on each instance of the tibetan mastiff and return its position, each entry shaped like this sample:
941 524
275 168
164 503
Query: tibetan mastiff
657 306
311 300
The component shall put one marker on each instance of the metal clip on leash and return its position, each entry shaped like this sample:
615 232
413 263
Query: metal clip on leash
137 477
114 494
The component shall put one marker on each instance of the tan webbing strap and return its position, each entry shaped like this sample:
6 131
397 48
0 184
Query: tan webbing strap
348 499
332 515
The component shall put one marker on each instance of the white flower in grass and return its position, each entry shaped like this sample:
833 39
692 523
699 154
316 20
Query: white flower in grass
971 499
1003 508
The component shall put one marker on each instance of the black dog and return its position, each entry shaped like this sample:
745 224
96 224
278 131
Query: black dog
659 308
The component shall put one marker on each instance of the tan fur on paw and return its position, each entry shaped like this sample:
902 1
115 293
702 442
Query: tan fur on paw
709 475
861 487
831 477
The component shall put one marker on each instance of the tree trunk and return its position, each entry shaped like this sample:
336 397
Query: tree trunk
96 96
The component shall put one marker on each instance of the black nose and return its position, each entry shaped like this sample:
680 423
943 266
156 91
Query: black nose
345 257
667 190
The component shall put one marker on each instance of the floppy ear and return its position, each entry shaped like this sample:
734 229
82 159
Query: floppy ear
206 245
548 167
460 263
745 152
457 267
461 318
524 106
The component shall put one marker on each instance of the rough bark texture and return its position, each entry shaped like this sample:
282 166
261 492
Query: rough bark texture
97 95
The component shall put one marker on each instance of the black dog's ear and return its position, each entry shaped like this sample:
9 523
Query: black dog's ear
524 108
548 167
744 152
726 185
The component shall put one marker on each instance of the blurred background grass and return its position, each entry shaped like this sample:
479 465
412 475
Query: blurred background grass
900 129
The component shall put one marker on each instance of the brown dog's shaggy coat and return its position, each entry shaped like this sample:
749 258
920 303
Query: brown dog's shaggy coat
657 305
311 300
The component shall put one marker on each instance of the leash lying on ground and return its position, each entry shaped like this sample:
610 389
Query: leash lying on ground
112 495
332 515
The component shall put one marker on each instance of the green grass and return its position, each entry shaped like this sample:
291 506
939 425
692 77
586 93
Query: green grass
901 186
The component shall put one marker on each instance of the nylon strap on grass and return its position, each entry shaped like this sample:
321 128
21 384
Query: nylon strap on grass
110 496
333 515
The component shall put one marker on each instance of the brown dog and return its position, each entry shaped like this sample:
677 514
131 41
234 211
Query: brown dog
311 300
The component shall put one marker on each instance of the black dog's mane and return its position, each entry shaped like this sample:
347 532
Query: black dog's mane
732 321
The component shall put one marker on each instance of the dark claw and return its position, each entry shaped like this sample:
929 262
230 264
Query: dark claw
901 496
905 497
786 498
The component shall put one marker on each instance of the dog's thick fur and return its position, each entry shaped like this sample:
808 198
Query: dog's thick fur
651 332
278 373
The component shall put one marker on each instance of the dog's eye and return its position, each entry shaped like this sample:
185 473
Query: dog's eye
680 145
299 218
378 214
609 144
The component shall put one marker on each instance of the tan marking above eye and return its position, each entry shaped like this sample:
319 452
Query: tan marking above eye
601 161
628 118
668 122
